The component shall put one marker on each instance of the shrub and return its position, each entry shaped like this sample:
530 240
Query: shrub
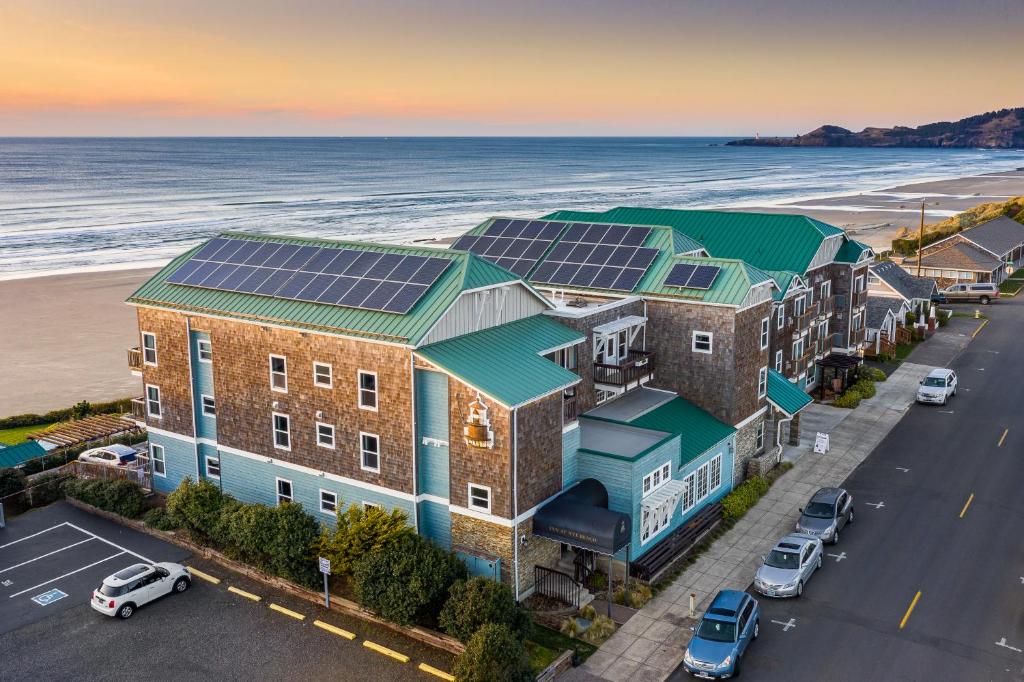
570 627
598 582
743 497
601 629
493 654
477 601
119 496
11 481
251 533
637 596
849 400
32 419
408 581
911 317
360 532
160 518
198 506
865 387
873 374
295 536
588 612
46 489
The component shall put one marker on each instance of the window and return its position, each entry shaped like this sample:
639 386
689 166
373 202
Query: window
858 284
702 342
156 452
369 446
798 349
213 467
278 374
480 498
209 406
716 468
782 316
778 361
799 306
604 396
657 478
826 289
689 493
765 326
149 348
810 297
759 438
282 432
762 382
284 491
702 480
322 375
204 349
367 390
328 502
153 401
856 321
325 435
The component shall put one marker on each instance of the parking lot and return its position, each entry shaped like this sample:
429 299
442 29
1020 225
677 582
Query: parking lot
228 627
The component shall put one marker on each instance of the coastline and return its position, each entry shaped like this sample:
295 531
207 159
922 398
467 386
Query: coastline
69 331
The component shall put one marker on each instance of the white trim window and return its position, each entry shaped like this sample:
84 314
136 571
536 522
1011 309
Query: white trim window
208 405
657 478
858 284
762 382
282 431
325 435
690 492
759 438
323 375
159 458
284 491
149 348
654 521
367 390
702 342
328 502
826 289
716 471
782 316
799 306
778 361
765 326
798 349
479 498
703 474
153 408
369 452
279 373
213 467
204 350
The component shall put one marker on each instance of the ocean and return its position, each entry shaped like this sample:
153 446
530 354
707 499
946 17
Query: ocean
73 204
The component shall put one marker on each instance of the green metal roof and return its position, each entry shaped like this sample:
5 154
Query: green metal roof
785 395
771 241
14 455
783 279
851 251
730 287
505 362
466 272
699 431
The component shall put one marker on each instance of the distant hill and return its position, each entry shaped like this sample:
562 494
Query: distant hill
906 239
1003 129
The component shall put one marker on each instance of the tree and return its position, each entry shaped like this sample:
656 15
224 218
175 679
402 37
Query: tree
479 601
198 505
11 481
295 537
81 409
360 532
493 654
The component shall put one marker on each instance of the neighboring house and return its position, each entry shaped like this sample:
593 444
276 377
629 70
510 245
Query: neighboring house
978 254
884 315
888 280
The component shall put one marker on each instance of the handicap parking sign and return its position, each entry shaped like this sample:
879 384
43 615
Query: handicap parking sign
48 597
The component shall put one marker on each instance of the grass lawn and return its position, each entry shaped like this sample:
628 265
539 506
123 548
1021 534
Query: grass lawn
903 350
1010 287
545 645
18 433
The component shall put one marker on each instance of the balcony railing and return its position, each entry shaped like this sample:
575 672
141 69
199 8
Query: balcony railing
826 305
860 298
804 320
135 359
570 409
139 409
638 365
857 337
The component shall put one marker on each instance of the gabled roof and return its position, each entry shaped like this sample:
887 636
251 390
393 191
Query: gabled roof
999 235
699 430
731 286
785 395
962 256
770 241
466 272
902 282
16 455
851 251
505 362
878 307
783 280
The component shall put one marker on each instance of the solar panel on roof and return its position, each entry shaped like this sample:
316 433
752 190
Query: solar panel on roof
600 255
689 276
515 245
679 275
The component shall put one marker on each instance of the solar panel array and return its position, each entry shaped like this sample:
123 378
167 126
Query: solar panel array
689 276
515 245
353 278
598 256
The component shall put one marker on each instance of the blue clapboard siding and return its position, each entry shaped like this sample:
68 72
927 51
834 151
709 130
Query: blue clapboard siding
570 458
205 452
202 384
432 422
435 523
479 566
180 458
252 480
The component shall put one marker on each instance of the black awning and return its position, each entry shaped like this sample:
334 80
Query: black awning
580 517
840 361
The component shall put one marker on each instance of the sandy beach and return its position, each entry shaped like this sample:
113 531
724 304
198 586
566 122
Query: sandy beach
65 335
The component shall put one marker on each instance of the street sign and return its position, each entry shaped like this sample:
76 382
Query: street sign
325 566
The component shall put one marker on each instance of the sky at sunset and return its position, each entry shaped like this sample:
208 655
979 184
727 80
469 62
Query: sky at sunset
523 67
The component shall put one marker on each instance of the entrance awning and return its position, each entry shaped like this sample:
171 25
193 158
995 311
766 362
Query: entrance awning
669 492
785 395
580 517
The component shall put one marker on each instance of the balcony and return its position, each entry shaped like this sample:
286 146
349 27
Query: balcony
638 365
570 409
826 306
139 409
803 321
860 298
135 359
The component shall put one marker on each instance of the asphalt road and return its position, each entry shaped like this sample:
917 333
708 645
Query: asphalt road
206 633
915 532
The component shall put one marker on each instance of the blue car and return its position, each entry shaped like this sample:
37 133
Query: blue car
730 624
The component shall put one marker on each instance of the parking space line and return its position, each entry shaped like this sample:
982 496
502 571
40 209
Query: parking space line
205 576
288 612
113 556
43 556
966 505
402 658
437 673
112 544
29 537
910 609
243 593
1002 438
334 629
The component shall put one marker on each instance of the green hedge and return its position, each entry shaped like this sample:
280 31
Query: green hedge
119 496
479 601
743 497
11 481
161 519
493 654
848 400
360 531
82 409
873 374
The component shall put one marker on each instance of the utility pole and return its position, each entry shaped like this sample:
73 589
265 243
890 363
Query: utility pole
920 240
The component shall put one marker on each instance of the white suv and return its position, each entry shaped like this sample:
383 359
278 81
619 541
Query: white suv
937 387
128 589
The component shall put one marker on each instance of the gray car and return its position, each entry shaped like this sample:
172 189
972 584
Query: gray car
828 512
787 568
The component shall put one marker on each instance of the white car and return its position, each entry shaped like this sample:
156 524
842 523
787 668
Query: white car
128 589
937 387
115 455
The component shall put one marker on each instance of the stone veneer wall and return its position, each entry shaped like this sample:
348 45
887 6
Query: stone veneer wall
476 537
171 373
746 447
536 552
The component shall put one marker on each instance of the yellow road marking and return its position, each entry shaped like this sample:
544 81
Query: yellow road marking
288 612
1002 438
336 630
434 671
980 327
205 576
910 609
966 505
243 593
386 651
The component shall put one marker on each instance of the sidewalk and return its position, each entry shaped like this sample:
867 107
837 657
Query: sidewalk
650 646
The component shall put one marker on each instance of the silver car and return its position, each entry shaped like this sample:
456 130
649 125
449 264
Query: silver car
788 567
828 512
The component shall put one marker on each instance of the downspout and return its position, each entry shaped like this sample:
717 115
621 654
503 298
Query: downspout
412 402
192 403
778 435
515 500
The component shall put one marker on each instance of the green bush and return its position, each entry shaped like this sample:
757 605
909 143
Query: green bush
198 505
62 415
865 387
601 629
588 612
361 531
119 496
251 532
47 489
160 518
849 400
873 374
570 627
478 601
493 654
11 481
407 582
295 537
911 318
743 497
